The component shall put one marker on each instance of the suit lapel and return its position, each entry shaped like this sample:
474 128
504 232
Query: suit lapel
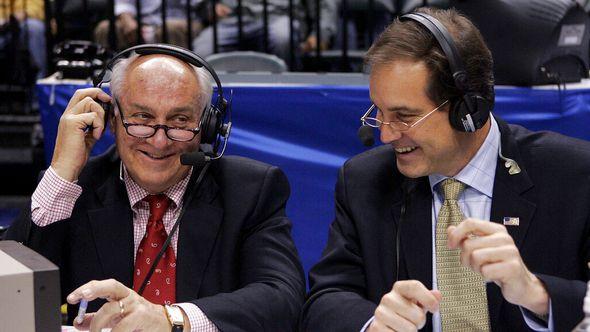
508 201
416 234
112 229
384 230
198 232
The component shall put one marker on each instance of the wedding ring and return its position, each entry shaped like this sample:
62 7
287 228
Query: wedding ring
122 307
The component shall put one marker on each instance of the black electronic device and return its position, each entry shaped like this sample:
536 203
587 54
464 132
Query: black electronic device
213 125
78 59
533 42
470 111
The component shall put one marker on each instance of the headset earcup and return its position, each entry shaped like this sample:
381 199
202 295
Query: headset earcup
205 120
469 113
209 125
457 113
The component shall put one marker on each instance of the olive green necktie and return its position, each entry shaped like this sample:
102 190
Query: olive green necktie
464 304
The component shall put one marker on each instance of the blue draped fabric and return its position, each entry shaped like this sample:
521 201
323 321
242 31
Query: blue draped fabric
309 131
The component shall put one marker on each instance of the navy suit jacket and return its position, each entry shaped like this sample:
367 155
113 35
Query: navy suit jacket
550 196
236 259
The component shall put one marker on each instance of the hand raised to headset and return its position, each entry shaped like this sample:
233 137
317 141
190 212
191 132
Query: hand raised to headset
404 307
80 126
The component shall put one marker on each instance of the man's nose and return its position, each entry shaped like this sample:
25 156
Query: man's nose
387 134
160 139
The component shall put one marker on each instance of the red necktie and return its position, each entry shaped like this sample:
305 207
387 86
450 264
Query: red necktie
161 287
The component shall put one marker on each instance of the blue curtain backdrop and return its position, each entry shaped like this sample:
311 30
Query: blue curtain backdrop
309 131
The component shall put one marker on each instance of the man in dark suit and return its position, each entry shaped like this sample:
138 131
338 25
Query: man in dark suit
232 264
522 238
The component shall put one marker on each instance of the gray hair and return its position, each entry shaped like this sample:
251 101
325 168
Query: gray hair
118 84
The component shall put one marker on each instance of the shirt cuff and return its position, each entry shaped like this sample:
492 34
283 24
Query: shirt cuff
536 323
199 322
54 199
366 326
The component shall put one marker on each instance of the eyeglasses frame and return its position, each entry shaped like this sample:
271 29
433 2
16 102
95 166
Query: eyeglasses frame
406 127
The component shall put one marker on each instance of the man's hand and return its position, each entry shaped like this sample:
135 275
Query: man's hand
128 25
222 10
125 311
74 141
311 43
488 249
405 307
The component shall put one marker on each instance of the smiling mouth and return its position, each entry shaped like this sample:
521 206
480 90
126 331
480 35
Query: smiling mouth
405 149
156 157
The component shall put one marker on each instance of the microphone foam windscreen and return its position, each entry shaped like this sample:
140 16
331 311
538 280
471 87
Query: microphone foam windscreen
197 159
365 134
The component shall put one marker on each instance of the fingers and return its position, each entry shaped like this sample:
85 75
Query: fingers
378 326
394 321
85 324
109 315
470 227
90 121
484 260
415 291
109 289
404 308
399 313
85 105
92 93
79 112
476 251
437 294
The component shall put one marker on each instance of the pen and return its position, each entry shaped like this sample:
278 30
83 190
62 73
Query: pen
81 311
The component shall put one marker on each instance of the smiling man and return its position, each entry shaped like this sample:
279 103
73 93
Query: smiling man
460 222
231 265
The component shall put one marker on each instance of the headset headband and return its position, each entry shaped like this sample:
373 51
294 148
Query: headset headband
175 51
442 35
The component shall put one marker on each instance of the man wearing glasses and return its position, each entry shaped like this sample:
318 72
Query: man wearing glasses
231 265
460 222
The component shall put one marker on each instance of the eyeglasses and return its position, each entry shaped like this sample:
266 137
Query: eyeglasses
146 131
396 124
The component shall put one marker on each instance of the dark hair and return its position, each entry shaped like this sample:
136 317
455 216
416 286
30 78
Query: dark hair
410 40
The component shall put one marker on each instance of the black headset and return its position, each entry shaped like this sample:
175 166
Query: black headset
470 111
212 123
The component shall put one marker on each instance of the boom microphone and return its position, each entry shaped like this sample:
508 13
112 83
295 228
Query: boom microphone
365 134
197 159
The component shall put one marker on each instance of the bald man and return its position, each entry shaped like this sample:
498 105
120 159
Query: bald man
231 265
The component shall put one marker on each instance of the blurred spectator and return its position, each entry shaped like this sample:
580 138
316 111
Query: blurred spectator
22 27
585 4
409 5
253 27
359 23
126 23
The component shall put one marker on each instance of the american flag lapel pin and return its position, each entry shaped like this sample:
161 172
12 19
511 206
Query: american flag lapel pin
511 221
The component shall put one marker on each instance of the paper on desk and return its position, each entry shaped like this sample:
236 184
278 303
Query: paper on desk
66 328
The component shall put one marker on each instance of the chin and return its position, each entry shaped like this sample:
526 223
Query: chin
155 181
411 171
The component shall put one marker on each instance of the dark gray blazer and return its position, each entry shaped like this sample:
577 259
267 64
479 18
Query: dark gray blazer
551 196
236 258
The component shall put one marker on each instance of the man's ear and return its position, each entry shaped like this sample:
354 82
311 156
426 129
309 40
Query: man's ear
112 116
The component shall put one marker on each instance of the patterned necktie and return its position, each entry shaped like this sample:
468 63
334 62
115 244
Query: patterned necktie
161 288
464 305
